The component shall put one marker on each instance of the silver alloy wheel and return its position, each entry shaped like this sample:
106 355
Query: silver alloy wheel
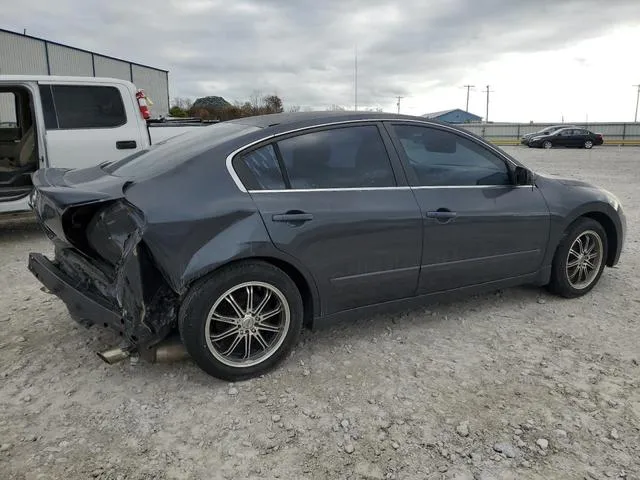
584 259
247 324
588 144
547 144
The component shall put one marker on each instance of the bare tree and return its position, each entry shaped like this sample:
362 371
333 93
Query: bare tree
183 103
294 108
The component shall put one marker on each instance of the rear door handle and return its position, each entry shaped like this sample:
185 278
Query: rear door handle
442 215
126 144
291 217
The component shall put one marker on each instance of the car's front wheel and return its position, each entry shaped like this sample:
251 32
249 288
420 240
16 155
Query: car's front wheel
547 144
241 321
579 259
588 144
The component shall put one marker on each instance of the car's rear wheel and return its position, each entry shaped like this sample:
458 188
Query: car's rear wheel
579 259
547 144
242 320
588 144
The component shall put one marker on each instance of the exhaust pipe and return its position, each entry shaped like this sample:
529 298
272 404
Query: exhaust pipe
168 351
115 355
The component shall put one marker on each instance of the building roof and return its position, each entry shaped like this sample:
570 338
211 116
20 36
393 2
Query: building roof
445 112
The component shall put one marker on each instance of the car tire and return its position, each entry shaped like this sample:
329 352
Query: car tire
208 312
547 144
571 253
588 144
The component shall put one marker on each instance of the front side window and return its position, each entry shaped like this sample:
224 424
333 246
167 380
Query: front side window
79 107
442 158
259 169
347 157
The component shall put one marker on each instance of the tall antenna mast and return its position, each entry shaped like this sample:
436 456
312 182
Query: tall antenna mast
356 77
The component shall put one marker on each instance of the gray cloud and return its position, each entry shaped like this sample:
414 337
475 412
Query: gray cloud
304 50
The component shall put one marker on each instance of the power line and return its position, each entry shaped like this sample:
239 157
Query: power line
468 87
635 118
399 98
486 119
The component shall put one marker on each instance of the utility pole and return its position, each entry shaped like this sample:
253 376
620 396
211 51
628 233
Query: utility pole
399 98
635 118
468 87
487 114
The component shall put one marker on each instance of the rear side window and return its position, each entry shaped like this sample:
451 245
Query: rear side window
80 107
350 157
259 169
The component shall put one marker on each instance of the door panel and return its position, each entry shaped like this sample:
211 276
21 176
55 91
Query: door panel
330 198
497 233
362 246
89 124
477 226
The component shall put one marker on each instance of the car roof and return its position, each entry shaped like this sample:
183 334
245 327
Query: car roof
292 119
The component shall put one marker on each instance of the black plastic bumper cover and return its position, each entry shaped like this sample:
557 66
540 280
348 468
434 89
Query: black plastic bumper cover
82 305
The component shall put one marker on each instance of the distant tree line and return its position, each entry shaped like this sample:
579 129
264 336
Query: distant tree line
217 108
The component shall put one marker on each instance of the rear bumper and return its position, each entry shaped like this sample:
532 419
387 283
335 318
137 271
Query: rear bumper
82 305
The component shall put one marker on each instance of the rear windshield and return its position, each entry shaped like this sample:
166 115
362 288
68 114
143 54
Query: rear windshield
171 152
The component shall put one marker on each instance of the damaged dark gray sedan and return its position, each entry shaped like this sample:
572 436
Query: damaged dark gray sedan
240 234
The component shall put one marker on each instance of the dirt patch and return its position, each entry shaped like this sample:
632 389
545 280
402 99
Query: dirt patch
512 385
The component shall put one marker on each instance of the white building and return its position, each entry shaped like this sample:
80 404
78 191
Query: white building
26 55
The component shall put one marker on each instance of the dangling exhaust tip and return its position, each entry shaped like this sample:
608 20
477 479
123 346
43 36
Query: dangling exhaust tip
114 355
168 351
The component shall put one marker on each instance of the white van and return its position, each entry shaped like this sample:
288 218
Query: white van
67 122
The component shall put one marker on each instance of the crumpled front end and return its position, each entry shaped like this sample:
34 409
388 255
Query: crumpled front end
104 272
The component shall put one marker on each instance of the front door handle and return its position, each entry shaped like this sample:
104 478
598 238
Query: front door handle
442 215
292 217
126 144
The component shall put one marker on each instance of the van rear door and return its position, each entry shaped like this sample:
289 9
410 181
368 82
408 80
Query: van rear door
87 124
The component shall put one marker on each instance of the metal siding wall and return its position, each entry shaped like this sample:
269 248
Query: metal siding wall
21 55
154 83
107 67
68 61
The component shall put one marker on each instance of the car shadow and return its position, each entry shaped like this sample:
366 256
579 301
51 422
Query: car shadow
21 228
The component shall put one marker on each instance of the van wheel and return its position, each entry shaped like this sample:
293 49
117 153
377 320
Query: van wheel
241 321
579 260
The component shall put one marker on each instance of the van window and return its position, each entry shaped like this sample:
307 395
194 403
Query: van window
82 106
8 114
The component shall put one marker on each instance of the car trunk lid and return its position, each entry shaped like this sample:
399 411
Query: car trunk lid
56 191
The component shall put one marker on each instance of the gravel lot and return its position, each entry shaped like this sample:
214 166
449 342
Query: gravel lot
516 384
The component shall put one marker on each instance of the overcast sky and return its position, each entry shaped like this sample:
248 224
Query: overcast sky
543 59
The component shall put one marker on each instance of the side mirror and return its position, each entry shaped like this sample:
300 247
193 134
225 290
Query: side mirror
523 176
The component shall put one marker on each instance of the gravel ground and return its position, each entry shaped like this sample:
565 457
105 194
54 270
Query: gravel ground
513 384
